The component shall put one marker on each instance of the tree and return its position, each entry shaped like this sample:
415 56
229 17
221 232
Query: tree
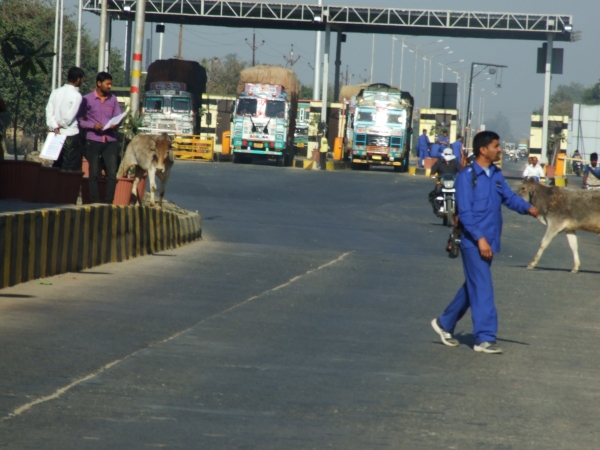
591 96
306 91
223 74
501 125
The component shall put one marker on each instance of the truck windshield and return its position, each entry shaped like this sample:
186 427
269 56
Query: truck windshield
365 116
394 119
180 104
275 109
154 103
246 106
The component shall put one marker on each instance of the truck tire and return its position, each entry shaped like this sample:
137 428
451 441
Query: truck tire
280 161
235 158
398 168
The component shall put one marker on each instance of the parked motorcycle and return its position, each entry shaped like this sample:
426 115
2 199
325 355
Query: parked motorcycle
445 202
577 168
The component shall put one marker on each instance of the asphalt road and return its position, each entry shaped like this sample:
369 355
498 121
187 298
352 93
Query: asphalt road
301 321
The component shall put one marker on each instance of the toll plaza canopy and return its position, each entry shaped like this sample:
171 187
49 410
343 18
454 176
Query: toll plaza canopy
351 19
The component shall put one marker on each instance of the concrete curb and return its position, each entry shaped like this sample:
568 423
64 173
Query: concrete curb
308 164
418 171
46 242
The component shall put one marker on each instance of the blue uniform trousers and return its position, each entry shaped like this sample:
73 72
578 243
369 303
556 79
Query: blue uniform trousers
477 293
423 153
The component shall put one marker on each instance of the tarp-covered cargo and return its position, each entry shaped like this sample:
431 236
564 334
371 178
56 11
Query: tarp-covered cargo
188 72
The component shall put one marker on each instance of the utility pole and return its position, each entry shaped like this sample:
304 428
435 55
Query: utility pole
102 39
180 40
60 43
78 45
254 47
291 61
546 108
138 48
317 74
372 56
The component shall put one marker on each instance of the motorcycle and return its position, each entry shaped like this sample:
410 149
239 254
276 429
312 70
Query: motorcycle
577 168
445 202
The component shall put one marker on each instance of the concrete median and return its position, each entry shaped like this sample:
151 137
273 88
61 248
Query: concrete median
46 242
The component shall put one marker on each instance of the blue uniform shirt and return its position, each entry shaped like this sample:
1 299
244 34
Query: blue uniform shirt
479 209
436 150
444 141
457 150
423 143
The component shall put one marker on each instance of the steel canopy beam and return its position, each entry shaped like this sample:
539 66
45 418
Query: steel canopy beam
251 14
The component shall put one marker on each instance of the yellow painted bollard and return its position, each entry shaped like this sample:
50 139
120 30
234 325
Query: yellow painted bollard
338 149
560 163
226 143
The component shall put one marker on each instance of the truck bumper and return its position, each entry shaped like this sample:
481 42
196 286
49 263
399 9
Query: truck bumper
378 160
258 152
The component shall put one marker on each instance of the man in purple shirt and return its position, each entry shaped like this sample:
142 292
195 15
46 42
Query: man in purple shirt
97 108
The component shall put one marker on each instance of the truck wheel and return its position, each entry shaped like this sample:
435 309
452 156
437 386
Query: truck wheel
398 168
356 166
235 159
280 161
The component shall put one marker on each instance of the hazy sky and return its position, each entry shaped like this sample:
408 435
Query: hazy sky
522 88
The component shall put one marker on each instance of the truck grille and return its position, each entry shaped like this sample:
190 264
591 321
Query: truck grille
378 141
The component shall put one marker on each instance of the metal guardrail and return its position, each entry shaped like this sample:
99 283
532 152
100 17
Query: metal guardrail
192 147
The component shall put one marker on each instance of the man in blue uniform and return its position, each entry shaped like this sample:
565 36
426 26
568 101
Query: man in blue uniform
444 141
457 148
480 192
423 147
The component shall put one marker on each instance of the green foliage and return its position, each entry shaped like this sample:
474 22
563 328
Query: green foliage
223 74
562 100
306 92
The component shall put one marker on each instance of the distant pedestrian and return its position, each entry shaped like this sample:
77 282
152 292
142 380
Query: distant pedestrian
97 108
457 147
423 145
61 118
481 190
323 149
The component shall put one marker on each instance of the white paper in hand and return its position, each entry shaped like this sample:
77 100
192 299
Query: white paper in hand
114 121
53 145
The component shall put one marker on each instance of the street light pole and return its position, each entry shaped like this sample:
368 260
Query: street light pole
78 46
485 66
102 39
317 74
401 65
138 48
392 69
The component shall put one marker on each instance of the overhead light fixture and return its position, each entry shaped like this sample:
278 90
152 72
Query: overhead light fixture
568 28
318 19
127 8
492 71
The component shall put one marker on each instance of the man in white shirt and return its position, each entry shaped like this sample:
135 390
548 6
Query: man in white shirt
61 118
533 170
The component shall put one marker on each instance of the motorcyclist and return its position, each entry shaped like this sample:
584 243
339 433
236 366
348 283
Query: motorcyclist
446 164
593 170
533 170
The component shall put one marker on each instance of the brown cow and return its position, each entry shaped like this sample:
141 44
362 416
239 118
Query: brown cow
152 154
563 210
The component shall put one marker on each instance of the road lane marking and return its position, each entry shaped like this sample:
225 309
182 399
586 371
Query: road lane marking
21 409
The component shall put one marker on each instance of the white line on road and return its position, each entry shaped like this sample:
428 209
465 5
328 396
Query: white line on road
62 390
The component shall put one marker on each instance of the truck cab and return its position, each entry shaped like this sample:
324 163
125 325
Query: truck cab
169 108
260 123
381 124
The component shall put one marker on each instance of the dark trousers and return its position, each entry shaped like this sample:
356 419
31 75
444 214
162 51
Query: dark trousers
476 293
323 160
70 155
109 151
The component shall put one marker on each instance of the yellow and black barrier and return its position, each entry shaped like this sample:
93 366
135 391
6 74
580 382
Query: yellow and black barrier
309 164
46 242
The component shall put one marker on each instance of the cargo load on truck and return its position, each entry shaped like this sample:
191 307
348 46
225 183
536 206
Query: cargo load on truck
381 117
173 97
265 115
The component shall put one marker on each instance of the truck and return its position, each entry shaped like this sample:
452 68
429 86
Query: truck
302 125
265 115
172 99
381 123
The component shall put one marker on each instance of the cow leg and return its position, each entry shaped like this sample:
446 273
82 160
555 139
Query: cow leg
551 231
572 238
152 178
164 177
139 174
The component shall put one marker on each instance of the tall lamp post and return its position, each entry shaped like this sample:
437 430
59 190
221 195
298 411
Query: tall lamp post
416 52
492 71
